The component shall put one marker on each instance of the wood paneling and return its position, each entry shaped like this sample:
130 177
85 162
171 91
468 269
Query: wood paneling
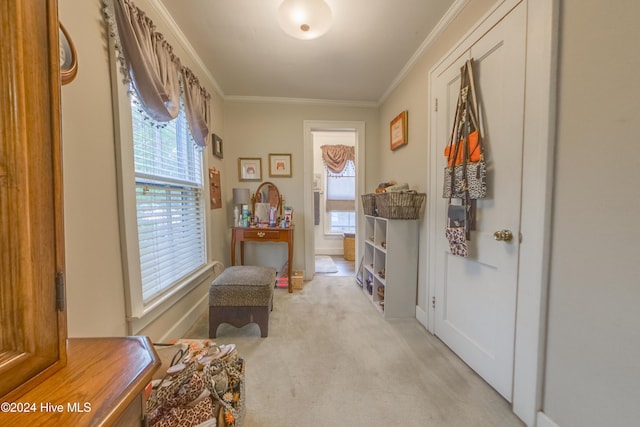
32 329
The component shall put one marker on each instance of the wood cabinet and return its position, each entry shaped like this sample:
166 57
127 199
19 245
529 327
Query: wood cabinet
390 265
98 381
32 313
102 384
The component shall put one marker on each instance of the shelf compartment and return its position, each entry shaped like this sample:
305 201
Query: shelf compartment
393 251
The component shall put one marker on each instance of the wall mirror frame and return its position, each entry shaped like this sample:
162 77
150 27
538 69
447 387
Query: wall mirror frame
267 196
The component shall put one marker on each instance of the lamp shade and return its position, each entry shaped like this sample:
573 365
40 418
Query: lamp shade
305 19
241 196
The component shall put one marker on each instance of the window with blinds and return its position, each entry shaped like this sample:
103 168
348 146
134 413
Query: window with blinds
340 200
169 202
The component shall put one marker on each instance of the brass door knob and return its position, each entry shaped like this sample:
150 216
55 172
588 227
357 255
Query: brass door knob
503 235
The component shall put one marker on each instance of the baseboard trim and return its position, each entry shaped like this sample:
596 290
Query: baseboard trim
189 318
329 251
422 317
542 420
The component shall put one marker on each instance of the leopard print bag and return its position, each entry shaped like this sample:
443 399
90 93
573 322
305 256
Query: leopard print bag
471 177
465 176
457 241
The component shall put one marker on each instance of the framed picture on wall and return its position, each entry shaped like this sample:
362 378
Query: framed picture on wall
215 196
216 143
398 130
279 165
250 169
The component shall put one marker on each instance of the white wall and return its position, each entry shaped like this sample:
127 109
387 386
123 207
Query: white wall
409 163
593 352
592 367
327 244
255 129
94 268
593 343
95 286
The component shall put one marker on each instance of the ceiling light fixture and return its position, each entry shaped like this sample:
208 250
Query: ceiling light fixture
305 19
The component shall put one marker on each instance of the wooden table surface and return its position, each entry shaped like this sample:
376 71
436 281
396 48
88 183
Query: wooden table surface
102 379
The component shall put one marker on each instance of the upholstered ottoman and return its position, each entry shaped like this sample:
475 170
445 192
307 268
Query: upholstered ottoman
241 295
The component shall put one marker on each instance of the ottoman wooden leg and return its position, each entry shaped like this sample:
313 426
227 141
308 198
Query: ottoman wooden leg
261 317
238 317
214 322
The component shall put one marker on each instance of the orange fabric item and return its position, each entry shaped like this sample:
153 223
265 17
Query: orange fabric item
474 150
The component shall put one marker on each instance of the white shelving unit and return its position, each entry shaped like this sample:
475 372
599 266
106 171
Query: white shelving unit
391 264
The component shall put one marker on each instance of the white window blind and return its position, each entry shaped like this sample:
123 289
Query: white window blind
169 202
340 202
341 189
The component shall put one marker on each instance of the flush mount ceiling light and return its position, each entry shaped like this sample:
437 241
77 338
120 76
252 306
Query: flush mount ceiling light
305 19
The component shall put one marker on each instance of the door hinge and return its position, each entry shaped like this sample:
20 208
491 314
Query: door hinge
436 106
433 302
60 289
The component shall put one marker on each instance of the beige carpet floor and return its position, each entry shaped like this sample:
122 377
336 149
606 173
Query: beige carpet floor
331 360
325 264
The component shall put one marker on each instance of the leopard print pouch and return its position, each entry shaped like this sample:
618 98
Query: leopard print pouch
457 241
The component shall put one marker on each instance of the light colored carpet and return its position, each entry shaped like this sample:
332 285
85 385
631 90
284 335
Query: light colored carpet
325 264
332 360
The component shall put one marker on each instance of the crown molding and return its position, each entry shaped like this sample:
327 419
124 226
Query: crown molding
449 16
444 22
186 45
307 101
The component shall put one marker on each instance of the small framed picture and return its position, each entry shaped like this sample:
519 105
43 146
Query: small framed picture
250 169
216 143
279 164
398 130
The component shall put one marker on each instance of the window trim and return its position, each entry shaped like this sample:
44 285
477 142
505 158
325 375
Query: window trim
139 315
327 228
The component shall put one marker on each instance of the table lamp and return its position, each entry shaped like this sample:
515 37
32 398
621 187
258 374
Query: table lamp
241 196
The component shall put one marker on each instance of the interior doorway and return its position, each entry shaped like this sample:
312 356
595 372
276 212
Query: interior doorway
334 197
327 220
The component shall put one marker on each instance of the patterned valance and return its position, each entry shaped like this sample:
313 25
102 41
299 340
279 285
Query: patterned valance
335 157
154 71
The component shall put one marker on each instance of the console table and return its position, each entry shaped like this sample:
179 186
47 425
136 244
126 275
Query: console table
263 234
102 384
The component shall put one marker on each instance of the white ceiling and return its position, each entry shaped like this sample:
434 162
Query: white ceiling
358 60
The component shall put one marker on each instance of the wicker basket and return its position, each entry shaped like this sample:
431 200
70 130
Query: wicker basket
369 204
297 279
349 246
396 205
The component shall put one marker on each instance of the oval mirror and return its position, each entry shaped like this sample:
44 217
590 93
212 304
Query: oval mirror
267 196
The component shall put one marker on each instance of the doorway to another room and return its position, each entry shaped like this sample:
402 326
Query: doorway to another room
333 184
334 197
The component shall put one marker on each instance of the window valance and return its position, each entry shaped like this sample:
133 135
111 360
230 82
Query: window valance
155 72
196 106
336 157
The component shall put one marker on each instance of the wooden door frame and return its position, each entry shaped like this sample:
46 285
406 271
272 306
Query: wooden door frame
537 186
